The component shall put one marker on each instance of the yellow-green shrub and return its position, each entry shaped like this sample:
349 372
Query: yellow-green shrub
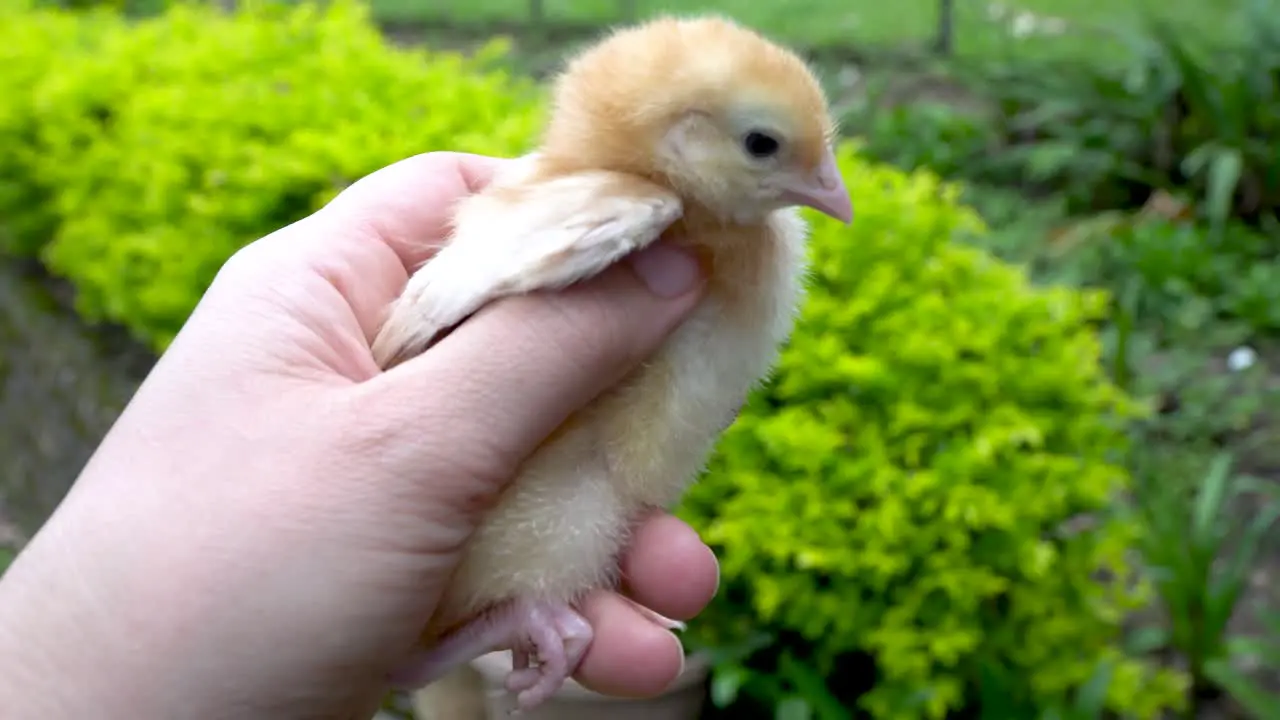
181 138
896 504
33 43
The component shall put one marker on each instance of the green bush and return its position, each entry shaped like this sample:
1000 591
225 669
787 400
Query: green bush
32 45
180 138
1185 113
923 132
1183 297
915 506
1185 280
1178 111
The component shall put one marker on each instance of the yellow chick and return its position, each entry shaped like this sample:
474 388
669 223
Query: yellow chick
697 130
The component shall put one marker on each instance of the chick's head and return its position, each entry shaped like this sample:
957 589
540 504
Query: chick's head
730 120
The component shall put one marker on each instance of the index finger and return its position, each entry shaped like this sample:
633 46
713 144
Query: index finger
408 205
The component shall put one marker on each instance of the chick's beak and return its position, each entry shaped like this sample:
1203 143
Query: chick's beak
823 190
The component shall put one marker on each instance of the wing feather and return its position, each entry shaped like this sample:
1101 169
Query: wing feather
521 236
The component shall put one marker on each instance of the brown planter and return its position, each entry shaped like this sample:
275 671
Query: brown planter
682 701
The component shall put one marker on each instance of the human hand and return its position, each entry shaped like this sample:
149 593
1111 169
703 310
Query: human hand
271 521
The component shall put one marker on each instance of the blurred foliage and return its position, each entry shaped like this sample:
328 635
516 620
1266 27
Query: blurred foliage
1263 651
1189 328
1201 556
32 45
1187 281
921 133
1182 114
916 504
1183 299
164 146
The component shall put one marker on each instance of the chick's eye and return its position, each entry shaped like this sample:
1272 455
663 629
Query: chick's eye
760 145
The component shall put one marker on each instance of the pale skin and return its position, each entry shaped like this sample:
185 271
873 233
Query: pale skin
272 521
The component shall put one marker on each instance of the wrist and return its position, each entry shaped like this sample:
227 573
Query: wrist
69 648
92 624
41 623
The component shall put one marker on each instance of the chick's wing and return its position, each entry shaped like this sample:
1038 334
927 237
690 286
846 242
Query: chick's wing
523 236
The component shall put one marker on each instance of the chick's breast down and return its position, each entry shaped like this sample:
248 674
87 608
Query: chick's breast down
695 130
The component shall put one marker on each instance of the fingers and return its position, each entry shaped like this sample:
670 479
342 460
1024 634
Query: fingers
406 208
629 655
668 568
407 205
368 239
514 372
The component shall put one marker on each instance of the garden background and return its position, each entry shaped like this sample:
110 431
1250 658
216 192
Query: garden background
1017 461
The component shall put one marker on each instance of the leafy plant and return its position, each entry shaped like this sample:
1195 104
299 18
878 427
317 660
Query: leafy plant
1224 111
1175 111
7 556
1184 295
1184 298
1074 128
896 504
1185 120
1199 554
1184 113
926 134
33 43
176 140
1261 651
1086 703
1183 279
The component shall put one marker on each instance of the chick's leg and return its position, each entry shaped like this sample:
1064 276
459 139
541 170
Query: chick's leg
550 631
558 637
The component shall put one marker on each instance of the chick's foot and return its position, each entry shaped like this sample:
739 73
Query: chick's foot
553 634
549 632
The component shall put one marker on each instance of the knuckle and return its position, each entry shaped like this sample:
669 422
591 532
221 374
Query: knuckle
254 261
434 161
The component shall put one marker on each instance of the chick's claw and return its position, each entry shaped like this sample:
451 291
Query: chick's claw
557 636
551 632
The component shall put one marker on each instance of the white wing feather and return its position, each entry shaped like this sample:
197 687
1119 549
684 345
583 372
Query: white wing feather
556 233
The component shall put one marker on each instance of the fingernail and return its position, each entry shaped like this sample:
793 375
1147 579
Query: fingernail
666 271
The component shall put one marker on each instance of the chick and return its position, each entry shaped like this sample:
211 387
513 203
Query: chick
697 130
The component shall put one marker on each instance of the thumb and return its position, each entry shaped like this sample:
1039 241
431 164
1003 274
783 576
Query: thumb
484 397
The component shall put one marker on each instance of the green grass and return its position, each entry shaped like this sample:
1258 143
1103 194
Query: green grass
854 23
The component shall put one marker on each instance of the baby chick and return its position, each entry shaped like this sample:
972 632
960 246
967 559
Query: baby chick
697 130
